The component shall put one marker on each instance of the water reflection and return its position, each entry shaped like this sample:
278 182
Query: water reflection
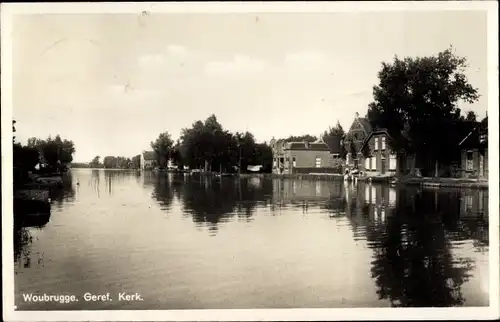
210 201
411 232
24 224
401 246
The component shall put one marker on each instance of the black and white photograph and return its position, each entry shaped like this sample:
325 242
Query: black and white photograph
250 161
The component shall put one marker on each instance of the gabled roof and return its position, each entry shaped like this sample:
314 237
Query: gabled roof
378 131
312 146
473 138
149 155
365 123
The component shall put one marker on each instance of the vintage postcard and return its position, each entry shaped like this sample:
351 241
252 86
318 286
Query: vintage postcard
250 161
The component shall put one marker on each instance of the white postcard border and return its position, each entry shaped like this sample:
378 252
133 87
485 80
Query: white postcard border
8 10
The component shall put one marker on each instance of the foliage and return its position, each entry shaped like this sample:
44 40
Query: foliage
301 138
416 101
136 162
25 158
55 152
95 162
334 131
112 162
163 146
77 165
339 132
177 155
209 146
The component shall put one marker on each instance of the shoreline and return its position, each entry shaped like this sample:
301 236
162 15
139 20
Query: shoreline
427 182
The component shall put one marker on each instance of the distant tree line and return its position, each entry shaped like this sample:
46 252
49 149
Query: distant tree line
208 146
111 162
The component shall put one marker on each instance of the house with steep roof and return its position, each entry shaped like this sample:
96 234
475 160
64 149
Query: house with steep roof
474 152
148 160
376 155
358 132
301 157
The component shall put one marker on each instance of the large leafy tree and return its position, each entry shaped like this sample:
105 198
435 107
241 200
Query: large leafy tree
416 101
163 147
208 145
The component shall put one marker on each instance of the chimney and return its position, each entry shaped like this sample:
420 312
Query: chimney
306 143
356 115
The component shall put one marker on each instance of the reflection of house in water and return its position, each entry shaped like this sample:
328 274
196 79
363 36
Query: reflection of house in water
379 201
305 192
474 203
411 232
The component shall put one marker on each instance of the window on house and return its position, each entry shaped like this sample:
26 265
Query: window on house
294 162
367 163
392 162
373 163
383 143
392 196
469 202
318 162
469 161
376 144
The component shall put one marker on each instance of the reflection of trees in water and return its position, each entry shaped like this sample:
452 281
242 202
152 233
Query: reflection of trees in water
413 265
22 241
22 236
214 200
163 190
66 193
411 241
95 181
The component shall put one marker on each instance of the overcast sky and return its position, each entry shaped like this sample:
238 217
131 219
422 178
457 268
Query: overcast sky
113 82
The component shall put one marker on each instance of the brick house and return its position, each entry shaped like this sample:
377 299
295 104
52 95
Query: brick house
301 157
376 156
354 139
474 152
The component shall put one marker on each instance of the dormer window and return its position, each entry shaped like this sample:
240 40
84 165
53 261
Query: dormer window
376 144
383 142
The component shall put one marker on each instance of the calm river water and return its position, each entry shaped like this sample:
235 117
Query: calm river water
185 242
